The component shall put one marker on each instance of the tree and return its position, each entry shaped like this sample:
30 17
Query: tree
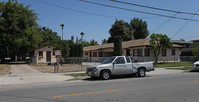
62 27
49 37
93 42
195 50
104 41
182 40
140 28
121 28
158 42
82 35
19 29
117 46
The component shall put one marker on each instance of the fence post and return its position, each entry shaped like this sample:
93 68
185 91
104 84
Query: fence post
81 63
174 61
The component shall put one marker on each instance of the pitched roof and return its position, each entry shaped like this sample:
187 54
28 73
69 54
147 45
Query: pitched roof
125 44
180 42
43 47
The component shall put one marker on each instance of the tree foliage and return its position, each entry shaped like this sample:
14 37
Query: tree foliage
122 29
18 27
76 48
195 50
140 28
104 41
158 42
117 46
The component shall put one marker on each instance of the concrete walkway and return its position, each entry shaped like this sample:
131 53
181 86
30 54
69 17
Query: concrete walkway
25 74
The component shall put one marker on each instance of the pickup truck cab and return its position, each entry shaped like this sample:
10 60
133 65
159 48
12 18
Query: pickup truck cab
119 65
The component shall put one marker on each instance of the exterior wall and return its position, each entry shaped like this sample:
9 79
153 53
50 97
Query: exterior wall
168 57
43 59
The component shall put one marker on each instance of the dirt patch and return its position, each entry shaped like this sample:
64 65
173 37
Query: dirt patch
4 69
62 69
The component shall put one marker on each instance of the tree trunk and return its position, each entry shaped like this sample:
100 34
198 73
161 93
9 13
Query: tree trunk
156 61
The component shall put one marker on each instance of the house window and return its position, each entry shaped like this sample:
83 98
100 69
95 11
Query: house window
147 52
86 53
173 52
164 52
100 54
40 53
135 52
139 52
48 46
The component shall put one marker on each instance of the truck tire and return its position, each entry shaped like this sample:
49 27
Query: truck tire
105 75
141 72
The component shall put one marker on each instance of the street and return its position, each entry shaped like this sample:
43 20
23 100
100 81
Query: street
181 87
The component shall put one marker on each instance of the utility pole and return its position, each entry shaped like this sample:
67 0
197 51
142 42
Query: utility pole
62 25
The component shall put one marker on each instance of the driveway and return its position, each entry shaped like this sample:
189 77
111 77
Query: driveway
25 74
23 69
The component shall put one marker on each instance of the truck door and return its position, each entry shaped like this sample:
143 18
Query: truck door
119 66
128 69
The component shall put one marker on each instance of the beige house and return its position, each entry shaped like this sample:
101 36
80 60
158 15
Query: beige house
139 50
44 55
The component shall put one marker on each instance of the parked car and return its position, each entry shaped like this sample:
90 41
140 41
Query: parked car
7 59
196 65
119 65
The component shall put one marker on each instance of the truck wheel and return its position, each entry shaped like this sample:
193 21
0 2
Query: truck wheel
105 75
141 72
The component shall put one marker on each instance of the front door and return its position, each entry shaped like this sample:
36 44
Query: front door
48 56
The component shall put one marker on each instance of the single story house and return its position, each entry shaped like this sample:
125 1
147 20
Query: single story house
44 55
139 50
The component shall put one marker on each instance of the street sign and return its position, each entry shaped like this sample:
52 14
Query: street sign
57 52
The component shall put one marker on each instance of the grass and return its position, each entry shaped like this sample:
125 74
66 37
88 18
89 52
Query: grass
184 68
4 69
172 64
77 74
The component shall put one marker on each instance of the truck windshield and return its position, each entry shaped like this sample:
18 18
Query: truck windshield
108 60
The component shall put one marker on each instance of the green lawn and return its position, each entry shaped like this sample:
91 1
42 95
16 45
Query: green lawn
172 64
185 68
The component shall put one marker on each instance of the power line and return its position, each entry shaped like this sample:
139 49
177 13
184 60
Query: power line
89 13
155 29
183 26
137 11
161 9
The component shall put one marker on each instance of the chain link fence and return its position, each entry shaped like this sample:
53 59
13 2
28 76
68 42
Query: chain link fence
75 64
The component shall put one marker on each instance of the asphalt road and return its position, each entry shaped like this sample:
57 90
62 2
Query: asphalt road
181 87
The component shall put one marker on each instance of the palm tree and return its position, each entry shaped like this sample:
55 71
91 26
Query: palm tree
62 25
82 34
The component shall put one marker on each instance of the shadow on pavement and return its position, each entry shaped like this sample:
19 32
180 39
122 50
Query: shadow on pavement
114 78
194 71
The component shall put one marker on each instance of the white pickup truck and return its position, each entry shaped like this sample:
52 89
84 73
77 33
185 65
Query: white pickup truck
119 65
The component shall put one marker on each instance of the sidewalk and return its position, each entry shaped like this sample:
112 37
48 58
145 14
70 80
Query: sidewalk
25 74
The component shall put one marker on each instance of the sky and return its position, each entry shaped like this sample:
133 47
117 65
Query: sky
95 20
